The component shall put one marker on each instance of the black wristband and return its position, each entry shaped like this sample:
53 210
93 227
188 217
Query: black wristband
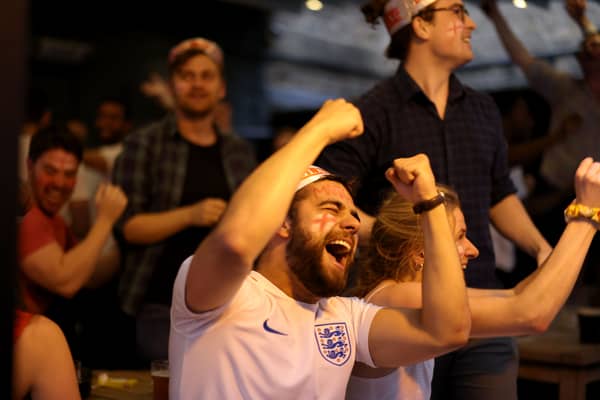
430 204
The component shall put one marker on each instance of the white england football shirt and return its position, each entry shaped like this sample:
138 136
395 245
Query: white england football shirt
405 383
265 345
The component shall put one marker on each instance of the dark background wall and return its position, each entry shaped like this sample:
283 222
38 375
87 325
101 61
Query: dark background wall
12 82
84 51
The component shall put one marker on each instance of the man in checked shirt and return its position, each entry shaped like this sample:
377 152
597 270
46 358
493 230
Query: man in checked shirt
179 173
424 108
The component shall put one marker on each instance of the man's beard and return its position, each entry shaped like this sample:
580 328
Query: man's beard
190 111
305 260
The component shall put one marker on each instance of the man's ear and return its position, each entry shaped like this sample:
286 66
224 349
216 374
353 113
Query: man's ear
421 28
285 230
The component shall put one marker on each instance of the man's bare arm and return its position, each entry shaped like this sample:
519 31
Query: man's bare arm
259 207
64 273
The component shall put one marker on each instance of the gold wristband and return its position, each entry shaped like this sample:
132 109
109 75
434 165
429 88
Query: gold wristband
580 212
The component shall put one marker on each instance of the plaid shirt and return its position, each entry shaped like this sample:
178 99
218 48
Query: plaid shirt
467 151
151 171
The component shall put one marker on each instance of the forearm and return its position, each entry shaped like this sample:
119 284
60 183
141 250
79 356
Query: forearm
511 219
150 228
80 217
445 313
79 263
586 25
531 306
106 267
550 285
515 48
259 207
261 203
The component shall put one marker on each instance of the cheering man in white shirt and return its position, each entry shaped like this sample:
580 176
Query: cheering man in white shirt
276 331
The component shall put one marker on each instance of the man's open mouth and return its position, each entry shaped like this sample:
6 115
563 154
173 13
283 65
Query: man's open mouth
341 250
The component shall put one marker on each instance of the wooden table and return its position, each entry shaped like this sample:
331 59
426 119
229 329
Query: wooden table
558 357
142 390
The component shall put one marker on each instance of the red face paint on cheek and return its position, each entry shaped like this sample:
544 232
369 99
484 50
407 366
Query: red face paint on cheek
456 28
323 221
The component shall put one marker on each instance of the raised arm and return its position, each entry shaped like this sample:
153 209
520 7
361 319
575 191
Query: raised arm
405 337
65 272
576 10
157 88
259 207
532 305
515 48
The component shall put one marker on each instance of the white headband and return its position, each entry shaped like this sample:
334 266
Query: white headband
312 174
398 13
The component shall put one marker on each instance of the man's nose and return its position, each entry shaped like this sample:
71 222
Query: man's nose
62 181
470 23
350 223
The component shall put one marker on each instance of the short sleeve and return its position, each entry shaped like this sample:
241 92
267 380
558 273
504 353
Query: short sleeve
362 317
188 322
35 232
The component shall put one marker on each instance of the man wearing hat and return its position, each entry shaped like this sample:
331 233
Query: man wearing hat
179 173
425 108
255 309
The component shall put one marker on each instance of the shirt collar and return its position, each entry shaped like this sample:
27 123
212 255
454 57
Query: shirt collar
457 90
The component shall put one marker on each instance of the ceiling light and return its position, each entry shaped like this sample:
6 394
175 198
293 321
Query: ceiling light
520 3
313 5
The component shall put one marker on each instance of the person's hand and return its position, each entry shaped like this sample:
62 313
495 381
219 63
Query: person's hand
110 202
156 87
587 183
489 7
338 119
576 9
412 178
207 212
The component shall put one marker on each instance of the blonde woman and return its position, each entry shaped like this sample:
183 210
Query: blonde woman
392 269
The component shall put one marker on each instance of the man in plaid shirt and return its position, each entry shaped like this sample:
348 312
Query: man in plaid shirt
179 173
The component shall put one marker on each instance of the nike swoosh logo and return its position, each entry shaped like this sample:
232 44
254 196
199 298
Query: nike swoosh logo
269 329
